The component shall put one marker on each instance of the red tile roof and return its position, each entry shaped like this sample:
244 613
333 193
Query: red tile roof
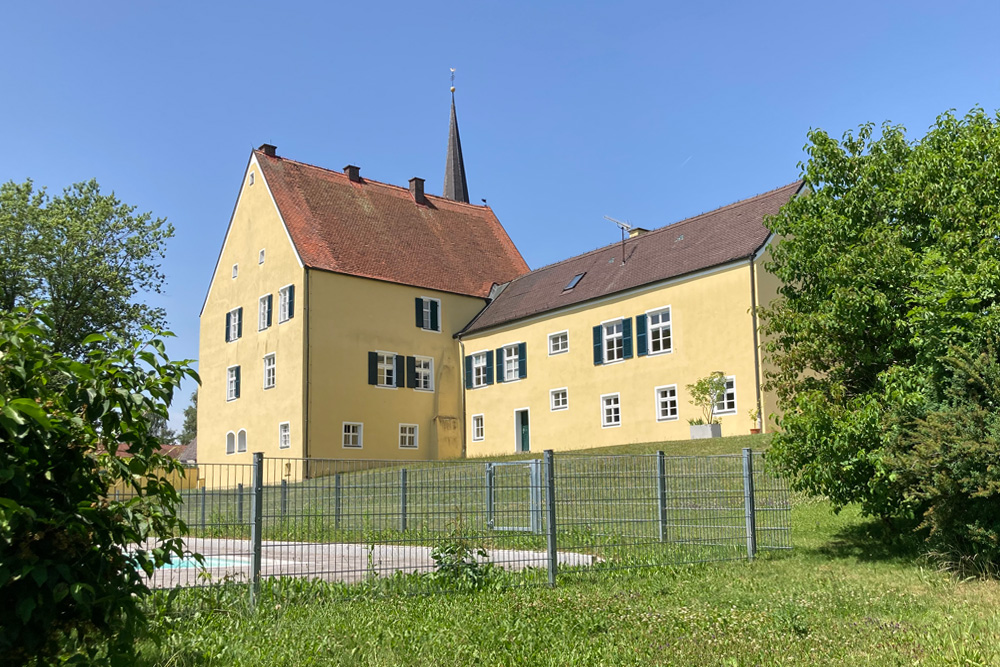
732 232
375 230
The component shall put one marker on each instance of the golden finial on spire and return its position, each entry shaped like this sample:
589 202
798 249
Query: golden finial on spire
452 79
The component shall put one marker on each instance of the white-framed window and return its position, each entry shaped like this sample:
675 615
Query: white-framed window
353 435
234 324
286 303
270 371
666 403
264 312
559 399
428 313
424 373
236 270
386 369
611 411
409 437
251 178
558 342
727 402
479 375
260 256
241 440
511 363
658 322
230 443
232 383
614 341
478 428
284 435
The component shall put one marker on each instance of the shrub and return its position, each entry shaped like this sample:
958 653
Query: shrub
70 557
705 394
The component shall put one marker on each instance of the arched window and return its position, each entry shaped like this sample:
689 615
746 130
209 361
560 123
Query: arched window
230 443
241 441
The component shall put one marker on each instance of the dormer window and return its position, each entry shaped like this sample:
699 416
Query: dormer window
573 283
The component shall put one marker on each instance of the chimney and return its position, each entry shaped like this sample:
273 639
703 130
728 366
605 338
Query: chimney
353 173
635 231
269 150
417 190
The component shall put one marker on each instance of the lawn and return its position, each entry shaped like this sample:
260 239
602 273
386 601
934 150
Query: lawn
841 597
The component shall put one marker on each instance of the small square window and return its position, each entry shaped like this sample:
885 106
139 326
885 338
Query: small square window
727 402
353 435
260 256
611 414
478 428
558 399
270 372
666 403
284 435
558 342
236 270
408 436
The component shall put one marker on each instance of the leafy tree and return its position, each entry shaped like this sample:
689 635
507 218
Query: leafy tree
189 430
706 394
890 263
87 254
71 558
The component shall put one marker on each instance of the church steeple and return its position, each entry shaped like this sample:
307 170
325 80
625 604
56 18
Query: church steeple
455 187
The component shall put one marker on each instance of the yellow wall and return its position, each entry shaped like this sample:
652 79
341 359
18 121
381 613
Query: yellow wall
712 330
350 316
256 224
767 292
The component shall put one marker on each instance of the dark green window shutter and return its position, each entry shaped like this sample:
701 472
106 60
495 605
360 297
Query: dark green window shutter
373 368
400 368
434 316
420 312
239 322
522 360
640 334
291 301
627 337
499 365
237 382
468 371
229 319
411 372
489 367
598 345
270 299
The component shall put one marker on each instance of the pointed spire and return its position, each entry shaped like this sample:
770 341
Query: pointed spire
455 187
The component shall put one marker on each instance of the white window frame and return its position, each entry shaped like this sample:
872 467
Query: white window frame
274 370
360 433
552 400
482 427
383 369
512 352
231 383
669 327
657 403
479 357
283 303
284 435
230 450
241 444
416 436
236 270
604 417
262 313
426 306
730 380
235 320
251 178
430 373
260 256
605 338
552 336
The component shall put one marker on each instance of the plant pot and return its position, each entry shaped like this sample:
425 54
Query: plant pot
754 431
701 431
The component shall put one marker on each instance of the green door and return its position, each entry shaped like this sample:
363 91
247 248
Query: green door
524 439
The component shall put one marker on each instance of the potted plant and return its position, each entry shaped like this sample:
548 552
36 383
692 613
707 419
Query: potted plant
755 418
705 394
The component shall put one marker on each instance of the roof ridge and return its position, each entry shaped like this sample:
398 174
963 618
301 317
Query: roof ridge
668 226
484 207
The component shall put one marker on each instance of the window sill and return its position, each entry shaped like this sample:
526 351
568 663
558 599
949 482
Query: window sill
612 363
667 419
661 352
556 354
563 409
352 446
424 391
386 386
611 425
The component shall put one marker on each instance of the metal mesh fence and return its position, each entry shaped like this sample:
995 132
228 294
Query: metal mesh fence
447 524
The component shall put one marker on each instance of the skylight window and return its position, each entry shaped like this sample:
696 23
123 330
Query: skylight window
573 283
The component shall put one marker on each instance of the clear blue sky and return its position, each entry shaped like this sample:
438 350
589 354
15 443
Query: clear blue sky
650 112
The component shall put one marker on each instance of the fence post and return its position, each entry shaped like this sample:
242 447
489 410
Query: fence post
749 506
402 499
284 497
204 498
490 481
256 524
336 501
550 500
239 502
661 493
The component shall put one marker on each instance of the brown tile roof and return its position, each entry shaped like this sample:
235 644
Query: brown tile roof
375 230
710 239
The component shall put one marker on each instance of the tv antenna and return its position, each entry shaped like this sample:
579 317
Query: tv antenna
625 227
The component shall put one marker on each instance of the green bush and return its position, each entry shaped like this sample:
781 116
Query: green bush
70 557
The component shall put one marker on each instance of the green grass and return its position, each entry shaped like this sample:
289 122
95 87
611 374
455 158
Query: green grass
842 597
